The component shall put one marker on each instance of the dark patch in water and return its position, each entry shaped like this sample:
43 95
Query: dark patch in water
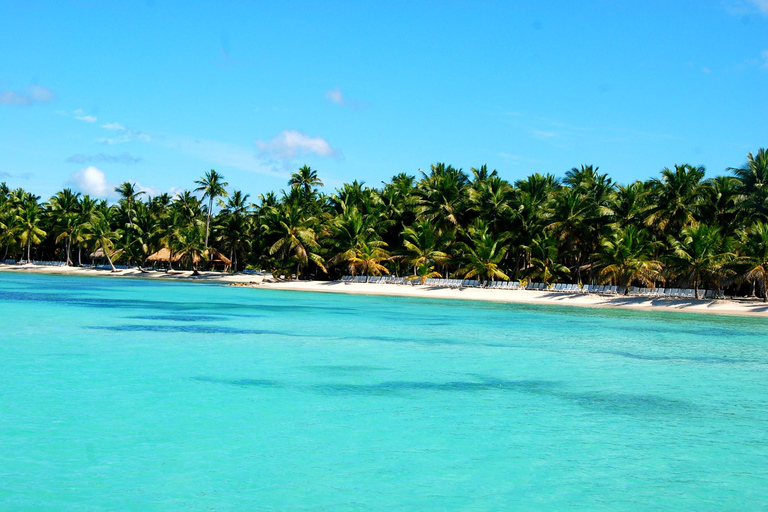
626 403
694 359
245 383
393 339
195 329
343 368
394 387
179 318
173 306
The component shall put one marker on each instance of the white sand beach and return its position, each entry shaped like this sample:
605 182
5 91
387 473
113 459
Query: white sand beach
728 306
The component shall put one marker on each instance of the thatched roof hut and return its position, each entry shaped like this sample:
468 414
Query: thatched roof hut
164 256
215 258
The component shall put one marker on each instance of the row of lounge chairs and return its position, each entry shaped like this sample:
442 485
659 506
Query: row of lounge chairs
35 262
450 283
556 287
679 293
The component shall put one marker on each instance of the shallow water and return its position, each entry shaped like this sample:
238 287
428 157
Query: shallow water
138 395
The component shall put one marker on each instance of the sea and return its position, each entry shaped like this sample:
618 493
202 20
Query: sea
131 394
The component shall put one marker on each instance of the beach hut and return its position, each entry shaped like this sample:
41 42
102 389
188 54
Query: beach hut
216 259
164 256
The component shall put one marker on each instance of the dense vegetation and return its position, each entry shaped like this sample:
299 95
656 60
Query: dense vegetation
679 228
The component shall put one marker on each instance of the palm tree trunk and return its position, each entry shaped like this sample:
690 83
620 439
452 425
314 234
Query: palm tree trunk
696 286
208 222
106 253
79 256
69 248
29 253
765 288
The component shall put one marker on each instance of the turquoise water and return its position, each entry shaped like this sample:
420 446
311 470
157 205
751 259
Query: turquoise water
137 395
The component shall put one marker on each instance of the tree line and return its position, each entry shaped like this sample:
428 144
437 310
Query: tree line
677 229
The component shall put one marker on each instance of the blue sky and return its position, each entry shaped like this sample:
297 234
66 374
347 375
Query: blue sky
96 93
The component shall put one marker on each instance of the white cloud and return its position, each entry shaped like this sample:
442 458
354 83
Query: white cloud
87 119
126 135
762 5
543 134
113 126
336 96
114 140
289 144
746 7
223 154
92 181
32 95
123 158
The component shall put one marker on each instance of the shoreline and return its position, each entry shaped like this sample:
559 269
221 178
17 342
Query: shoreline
730 307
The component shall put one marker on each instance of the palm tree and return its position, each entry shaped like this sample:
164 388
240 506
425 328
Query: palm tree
212 185
755 254
235 224
100 232
754 183
367 260
305 179
678 198
88 208
64 208
422 272
422 245
544 260
297 240
482 258
170 228
701 254
628 256
30 219
442 196
190 245
128 194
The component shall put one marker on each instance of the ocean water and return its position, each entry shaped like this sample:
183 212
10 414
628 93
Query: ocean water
137 395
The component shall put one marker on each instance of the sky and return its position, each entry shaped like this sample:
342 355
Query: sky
95 93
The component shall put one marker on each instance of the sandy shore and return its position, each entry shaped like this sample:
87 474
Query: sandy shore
736 307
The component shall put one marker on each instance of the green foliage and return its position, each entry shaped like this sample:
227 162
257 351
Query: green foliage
680 228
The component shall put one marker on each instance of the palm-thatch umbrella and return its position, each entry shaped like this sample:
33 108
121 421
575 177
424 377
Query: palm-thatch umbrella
99 254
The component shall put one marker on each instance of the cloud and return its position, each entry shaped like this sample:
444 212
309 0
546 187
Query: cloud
87 119
32 95
337 97
289 144
223 154
20 175
543 134
125 135
123 158
92 181
762 5
743 8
